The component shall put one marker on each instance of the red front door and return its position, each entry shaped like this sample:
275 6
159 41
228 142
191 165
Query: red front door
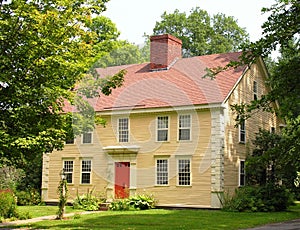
122 182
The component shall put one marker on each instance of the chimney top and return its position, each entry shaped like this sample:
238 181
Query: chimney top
165 49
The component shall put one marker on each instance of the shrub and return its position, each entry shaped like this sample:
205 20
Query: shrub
30 197
120 205
138 202
8 204
258 199
142 202
88 202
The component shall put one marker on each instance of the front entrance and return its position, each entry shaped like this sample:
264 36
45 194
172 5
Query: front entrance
122 179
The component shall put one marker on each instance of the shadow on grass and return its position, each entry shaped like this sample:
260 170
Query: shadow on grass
165 219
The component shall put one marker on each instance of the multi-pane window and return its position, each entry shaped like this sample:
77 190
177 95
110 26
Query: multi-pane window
184 127
70 141
162 173
162 128
255 90
272 130
68 169
184 172
87 138
86 168
242 132
123 130
242 174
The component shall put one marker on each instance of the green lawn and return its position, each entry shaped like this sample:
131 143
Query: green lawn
37 211
167 219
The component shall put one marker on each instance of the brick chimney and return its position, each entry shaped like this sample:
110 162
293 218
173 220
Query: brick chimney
164 51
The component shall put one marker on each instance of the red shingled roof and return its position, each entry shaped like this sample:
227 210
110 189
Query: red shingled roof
181 85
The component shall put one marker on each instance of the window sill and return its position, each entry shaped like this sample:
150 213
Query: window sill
161 185
184 141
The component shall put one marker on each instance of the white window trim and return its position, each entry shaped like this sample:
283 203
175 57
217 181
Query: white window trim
239 182
168 163
92 138
86 159
240 141
63 166
168 129
118 128
178 128
177 173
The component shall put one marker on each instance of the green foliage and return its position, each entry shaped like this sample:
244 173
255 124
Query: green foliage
46 47
62 191
24 215
88 202
138 202
120 205
8 204
10 177
274 159
201 33
76 216
28 197
267 198
125 53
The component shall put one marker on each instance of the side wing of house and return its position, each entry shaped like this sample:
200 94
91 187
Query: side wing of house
238 139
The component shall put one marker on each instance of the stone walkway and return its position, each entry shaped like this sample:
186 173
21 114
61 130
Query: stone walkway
37 219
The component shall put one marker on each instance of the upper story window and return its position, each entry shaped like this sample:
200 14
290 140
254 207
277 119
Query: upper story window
86 168
70 141
68 168
255 90
162 128
70 138
242 174
162 172
272 129
123 129
184 124
87 138
242 132
184 172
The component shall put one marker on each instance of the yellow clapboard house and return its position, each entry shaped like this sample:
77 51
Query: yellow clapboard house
170 132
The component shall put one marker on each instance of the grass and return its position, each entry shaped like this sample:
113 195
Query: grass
37 211
167 219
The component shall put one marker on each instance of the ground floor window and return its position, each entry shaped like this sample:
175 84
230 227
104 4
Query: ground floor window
242 175
184 172
162 173
86 168
68 169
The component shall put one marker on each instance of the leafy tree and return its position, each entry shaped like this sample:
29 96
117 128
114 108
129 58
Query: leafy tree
45 48
124 53
201 33
269 162
276 158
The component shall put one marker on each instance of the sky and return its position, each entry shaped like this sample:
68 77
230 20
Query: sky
133 18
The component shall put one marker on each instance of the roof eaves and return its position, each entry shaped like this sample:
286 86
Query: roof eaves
236 84
216 105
